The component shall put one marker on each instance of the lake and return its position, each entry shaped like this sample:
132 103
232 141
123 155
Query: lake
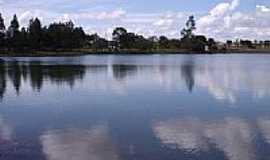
135 107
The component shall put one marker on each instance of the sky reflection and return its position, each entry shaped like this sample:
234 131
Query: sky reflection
79 144
5 131
233 136
151 107
225 81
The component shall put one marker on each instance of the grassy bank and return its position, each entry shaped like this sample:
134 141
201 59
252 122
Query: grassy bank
79 52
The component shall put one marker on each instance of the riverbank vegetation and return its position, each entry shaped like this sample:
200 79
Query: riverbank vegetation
65 37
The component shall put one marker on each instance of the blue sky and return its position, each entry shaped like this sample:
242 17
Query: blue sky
220 19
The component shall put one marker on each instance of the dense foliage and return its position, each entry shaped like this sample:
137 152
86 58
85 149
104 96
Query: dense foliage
65 36
55 36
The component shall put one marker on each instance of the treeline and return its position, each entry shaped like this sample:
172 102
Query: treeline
65 36
35 36
240 43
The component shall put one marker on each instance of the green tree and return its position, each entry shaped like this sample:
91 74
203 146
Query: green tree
14 33
35 33
174 44
212 44
153 42
187 32
24 38
78 37
163 42
2 23
128 41
59 35
199 43
64 36
2 31
14 24
96 42
190 41
119 36
142 43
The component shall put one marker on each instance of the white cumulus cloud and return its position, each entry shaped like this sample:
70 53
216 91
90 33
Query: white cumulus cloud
263 8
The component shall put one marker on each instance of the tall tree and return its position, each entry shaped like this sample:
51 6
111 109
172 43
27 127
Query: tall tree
118 35
35 33
64 35
14 27
187 32
78 37
189 40
95 42
13 33
14 24
2 31
2 23
163 42
24 38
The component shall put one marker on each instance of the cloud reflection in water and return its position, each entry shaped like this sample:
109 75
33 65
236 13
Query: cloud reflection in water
5 130
233 136
224 78
76 144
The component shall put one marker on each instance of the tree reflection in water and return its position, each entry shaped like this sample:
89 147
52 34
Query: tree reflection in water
37 73
187 72
15 74
2 79
120 72
136 110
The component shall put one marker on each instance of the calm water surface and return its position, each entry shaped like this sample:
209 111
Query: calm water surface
151 107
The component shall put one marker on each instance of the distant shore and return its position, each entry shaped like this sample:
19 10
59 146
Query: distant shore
80 52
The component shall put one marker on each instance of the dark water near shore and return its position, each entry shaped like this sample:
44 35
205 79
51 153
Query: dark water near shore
152 107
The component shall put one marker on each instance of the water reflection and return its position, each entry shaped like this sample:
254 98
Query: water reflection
3 84
15 73
264 126
232 135
79 144
5 131
177 108
224 81
37 73
58 74
187 71
227 81
121 72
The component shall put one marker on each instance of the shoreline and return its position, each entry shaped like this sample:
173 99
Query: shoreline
82 52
